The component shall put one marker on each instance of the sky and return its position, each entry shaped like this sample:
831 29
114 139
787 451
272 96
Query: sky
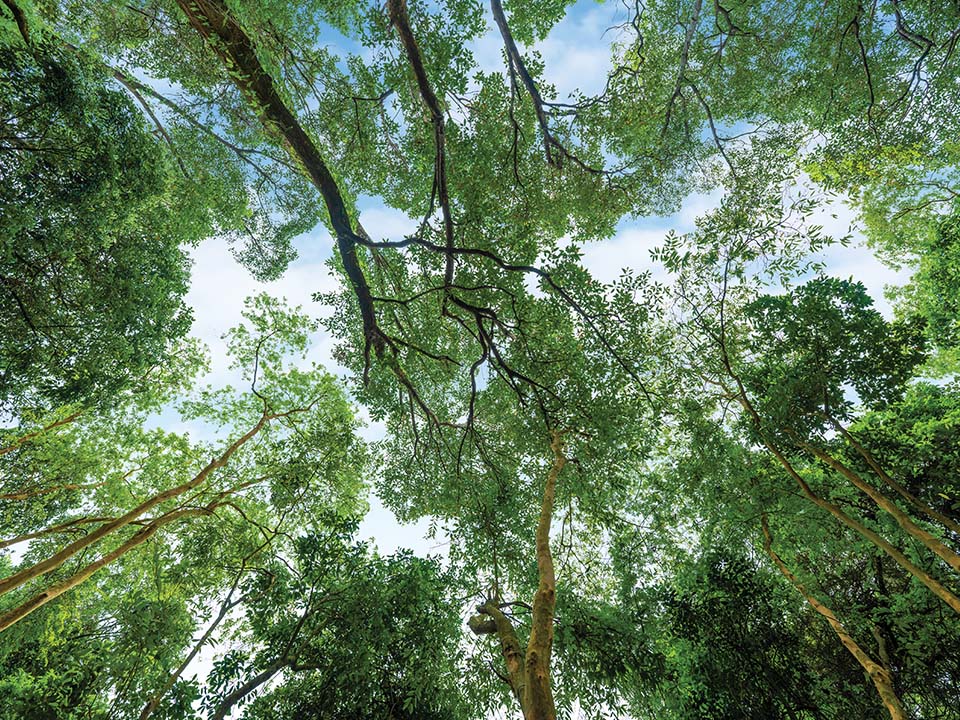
576 56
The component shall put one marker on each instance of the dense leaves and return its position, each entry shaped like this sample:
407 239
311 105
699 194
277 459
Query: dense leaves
718 488
92 270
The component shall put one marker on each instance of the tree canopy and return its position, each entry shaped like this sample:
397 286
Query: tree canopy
723 485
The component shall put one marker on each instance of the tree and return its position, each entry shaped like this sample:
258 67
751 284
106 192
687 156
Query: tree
93 273
526 421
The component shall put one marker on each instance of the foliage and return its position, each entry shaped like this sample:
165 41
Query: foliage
715 489
93 270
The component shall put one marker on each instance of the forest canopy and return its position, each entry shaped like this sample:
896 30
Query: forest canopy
722 483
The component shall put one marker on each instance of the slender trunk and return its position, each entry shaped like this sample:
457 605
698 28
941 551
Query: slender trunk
540 705
902 560
882 680
54 591
225 607
883 502
512 651
401 21
54 561
61 528
528 672
950 524
516 61
21 20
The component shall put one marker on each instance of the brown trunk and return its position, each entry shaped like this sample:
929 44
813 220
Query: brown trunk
53 562
882 680
903 520
528 673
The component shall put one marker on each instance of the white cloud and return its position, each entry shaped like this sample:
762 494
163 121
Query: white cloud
631 246
384 223
629 249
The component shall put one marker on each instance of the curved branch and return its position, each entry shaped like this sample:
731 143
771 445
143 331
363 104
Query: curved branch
401 21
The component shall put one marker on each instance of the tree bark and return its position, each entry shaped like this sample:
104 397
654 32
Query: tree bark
512 651
226 705
540 705
212 20
950 524
29 436
401 21
884 503
936 587
902 560
54 591
54 561
882 680
528 672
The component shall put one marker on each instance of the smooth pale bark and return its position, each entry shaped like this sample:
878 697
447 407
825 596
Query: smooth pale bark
53 529
528 672
882 680
902 560
540 705
929 541
939 517
935 586
54 591
54 561
27 494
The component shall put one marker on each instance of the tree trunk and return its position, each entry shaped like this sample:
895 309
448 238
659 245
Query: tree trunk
53 562
884 503
882 680
902 560
539 705
54 591
29 436
528 673
936 587
212 20
893 484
